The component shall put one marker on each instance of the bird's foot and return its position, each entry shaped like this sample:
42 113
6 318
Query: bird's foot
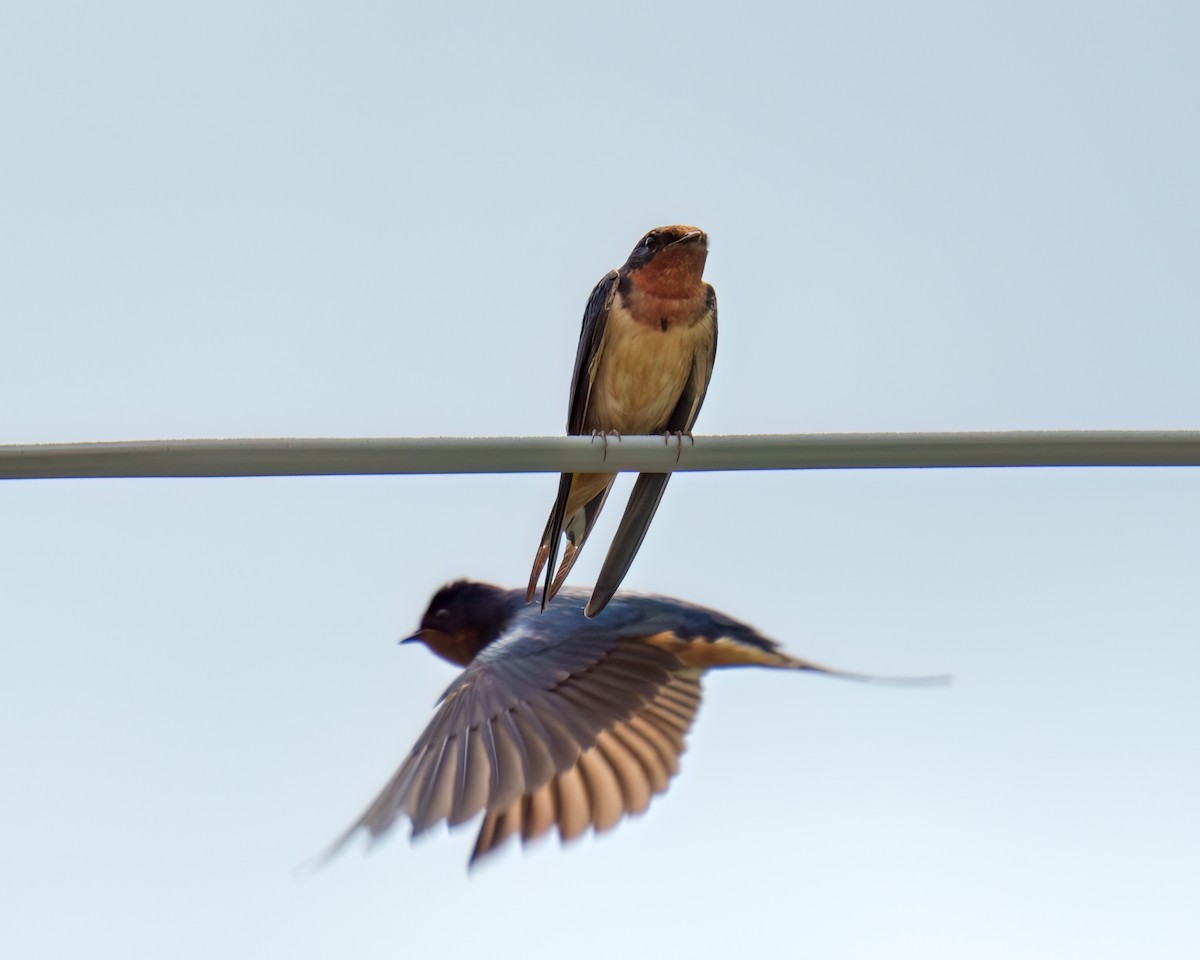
604 435
678 436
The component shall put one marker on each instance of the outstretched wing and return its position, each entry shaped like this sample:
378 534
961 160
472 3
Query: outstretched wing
573 732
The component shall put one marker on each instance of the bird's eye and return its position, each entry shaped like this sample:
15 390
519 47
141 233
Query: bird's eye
441 614
650 241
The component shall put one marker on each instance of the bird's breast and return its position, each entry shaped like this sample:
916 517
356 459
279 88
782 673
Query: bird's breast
646 359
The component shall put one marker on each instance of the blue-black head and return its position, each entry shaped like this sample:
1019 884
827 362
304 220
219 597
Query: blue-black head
464 617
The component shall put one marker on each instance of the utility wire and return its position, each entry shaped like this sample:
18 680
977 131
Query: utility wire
828 451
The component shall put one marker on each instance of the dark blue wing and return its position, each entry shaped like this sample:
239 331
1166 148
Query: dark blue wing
591 336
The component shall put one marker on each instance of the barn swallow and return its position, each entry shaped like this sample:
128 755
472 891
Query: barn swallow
559 719
643 364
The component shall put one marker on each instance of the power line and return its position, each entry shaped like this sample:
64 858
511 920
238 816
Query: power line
828 451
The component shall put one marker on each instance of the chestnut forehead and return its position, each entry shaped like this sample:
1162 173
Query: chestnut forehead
673 232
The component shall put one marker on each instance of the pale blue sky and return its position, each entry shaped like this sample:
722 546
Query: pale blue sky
369 219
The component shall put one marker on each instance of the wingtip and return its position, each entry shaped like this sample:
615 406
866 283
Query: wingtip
549 590
596 603
643 502
318 861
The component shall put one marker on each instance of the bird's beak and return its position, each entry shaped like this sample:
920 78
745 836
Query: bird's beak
415 638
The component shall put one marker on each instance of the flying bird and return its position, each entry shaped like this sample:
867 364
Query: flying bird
644 360
558 719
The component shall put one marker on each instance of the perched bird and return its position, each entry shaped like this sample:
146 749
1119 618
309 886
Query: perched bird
559 719
645 356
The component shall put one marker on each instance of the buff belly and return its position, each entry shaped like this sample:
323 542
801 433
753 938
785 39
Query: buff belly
642 372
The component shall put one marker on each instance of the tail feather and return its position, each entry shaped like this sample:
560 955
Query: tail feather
935 680
547 553
578 527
